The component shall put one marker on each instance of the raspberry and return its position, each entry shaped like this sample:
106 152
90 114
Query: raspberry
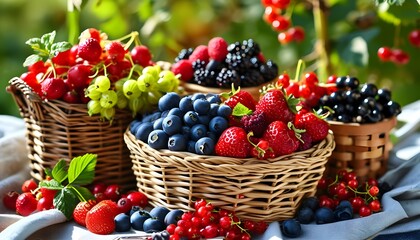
255 123
90 50
217 48
200 52
184 68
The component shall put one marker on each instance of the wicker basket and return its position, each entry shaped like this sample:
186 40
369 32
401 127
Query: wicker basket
364 148
268 190
59 130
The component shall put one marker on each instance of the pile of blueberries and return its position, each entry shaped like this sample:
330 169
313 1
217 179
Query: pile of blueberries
190 123
359 103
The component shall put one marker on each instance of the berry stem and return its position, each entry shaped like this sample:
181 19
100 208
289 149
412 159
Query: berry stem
299 70
397 34
72 17
322 46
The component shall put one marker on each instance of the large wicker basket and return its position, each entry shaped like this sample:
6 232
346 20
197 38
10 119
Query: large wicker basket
59 130
364 148
268 190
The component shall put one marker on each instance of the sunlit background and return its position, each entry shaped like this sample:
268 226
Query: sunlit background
167 26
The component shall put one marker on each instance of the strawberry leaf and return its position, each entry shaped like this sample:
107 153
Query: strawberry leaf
66 201
82 169
31 60
59 47
51 184
83 193
241 110
59 172
48 39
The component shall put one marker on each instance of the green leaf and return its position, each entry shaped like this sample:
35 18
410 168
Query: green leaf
241 110
59 171
34 42
48 39
31 60
83 193
66 201
82 169
51 184
59 47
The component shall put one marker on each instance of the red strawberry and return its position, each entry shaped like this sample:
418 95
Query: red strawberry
233 143
239 96
314 125
26 204
81 210
217 48
276 106
90 49
282 138
100 219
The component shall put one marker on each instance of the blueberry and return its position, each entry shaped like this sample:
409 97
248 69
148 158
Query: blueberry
224 111
138 218
157 124
177 112
204 119
214 107
213 136
122 223
159 212
343 213
186 131
134 209
204 146
305 215
291 228
158 139
310 202
324 215
191 118
218 124
198 131
168 101
172 124
173 216
201 106
151 225
177 142
186 104
213 98
191 146
196 96
143 131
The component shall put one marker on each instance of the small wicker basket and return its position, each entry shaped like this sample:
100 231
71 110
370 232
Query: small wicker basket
58 130
364 148
269 190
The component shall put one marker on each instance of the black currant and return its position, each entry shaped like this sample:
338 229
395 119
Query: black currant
352 96
363 110
345 118
374 116
341 82
369 90
384 95
391 109
352 82
370 102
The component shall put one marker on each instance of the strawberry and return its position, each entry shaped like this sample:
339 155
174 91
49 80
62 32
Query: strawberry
100 219
26 204
233 142
276 106
81 210
282 138
314 125
239 96
90 50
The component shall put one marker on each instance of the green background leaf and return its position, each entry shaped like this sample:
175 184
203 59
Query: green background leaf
82 169
59 171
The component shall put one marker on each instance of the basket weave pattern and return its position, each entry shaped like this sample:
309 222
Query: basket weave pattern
364 148
58 130
268 190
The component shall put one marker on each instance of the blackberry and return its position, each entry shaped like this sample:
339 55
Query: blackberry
250 48
269 70
214 65
256 123
198 64
226 77
204 77
184 54
252 78
238 63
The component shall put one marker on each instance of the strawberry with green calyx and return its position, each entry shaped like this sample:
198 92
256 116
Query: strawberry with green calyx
236 96
233 142
69 182
262 149
314 124
277 105
283 138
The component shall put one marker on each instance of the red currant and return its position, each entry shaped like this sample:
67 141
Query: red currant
141 55
138 199
113 192
375 205
414 37
90 50
44 204
400 57
284 37
385 53
124 205
29 185
53 88
373 191
270 14
115 50
357 203
281 23
9 200
364 211
297 33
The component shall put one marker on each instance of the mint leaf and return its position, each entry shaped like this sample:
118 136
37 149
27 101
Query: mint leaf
31 60
82 169
59 47
83 193
34 42
59 171
66 201
241 110
48 39
51 184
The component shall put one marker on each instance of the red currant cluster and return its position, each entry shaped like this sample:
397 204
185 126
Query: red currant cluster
397 55
206 221
363 196
113 192
274 15
309 89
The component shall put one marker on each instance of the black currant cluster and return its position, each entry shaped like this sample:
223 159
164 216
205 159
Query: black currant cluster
243 66
358 103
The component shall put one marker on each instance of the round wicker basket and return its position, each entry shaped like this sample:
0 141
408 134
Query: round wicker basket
364 148
268 190
58 130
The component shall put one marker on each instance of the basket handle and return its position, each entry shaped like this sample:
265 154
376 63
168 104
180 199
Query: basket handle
23 95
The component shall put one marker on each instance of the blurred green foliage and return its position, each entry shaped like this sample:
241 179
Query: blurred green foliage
356 29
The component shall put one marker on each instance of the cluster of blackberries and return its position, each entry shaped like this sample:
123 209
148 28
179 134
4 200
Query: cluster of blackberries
357 103
242 65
